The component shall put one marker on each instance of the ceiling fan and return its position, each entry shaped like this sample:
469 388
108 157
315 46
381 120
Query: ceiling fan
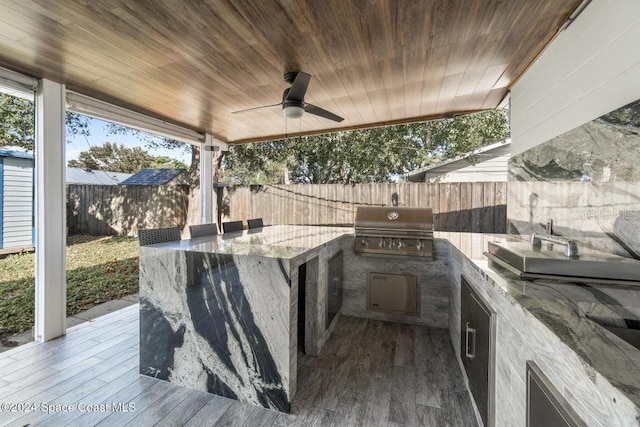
293 104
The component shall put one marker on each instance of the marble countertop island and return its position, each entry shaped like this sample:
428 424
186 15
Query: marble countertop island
277 241
219 313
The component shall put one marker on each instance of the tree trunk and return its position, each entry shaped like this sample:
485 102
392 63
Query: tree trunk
193 207
218 156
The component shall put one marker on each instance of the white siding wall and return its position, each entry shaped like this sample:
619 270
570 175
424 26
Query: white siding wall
17 202
591 68
492 169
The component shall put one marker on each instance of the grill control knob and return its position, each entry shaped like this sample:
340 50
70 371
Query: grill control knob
400 244
392 244
364 242
381 243
419 245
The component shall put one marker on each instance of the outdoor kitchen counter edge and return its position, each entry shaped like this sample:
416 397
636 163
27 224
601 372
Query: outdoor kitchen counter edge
562 308
278 241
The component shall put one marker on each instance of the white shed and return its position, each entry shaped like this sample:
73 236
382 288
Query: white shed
16 199
488 163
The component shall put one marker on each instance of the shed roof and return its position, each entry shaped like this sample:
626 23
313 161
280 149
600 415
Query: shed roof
95 177
15 154
153 177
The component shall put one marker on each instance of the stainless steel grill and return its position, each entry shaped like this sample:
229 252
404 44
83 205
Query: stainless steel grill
394 231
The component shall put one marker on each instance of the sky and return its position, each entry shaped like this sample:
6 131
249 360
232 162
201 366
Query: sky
98 136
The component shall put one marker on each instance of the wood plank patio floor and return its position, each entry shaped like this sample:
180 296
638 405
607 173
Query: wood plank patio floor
370 373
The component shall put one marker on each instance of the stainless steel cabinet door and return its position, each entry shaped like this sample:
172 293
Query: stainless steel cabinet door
393 293
546 407
476 347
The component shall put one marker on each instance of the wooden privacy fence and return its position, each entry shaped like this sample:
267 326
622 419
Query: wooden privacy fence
122 210
475 207
105 210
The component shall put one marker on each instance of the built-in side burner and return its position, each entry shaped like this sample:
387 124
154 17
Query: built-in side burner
552 261
403 231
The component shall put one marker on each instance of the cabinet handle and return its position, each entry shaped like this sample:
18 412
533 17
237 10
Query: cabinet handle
336 287
470 345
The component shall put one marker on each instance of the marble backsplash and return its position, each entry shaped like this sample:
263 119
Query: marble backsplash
587 181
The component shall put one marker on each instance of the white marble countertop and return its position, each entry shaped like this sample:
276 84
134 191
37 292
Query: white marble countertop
564 308
277 241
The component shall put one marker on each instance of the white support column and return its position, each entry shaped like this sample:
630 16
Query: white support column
51 236
208 199
206 180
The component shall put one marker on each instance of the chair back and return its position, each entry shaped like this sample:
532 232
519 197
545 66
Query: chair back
231 226
203 230
255 223
151 236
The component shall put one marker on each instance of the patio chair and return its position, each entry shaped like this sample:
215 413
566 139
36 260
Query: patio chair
231 226
255 223
152 236
203 230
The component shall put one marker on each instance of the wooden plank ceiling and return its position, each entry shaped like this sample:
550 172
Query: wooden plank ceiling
193 62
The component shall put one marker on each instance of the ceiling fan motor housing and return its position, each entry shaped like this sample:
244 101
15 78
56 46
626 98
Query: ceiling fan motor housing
290 76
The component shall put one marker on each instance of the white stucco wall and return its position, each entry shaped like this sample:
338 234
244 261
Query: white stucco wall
590 69
490 166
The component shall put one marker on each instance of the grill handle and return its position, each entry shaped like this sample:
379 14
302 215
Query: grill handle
570 247
336 286
470 342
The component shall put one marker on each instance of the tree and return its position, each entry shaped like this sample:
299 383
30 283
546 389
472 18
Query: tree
17 122
118 158
258 163
361 156
165 162
372 155
628 115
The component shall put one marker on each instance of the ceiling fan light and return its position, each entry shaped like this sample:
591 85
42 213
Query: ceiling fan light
293 112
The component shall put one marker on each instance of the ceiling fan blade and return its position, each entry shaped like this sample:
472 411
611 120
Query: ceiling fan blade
299 87
256 108
312 109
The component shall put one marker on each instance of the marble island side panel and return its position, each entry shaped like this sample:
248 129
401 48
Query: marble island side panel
218 323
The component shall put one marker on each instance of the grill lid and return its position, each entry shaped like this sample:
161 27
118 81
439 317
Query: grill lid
393 219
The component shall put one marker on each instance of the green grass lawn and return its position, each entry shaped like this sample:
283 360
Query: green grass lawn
99 269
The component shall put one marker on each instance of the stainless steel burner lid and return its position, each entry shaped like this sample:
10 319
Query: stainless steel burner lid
550 261
398 220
